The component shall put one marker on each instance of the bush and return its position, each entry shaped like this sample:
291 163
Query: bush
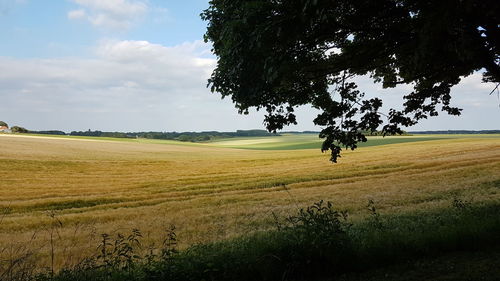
316 243
185 138
17 129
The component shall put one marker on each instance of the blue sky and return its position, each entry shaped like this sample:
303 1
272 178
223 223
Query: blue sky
140 65
47 25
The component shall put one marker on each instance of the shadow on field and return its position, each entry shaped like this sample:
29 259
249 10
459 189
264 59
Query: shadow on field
317 243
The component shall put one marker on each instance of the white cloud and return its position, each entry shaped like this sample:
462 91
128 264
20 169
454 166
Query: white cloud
128 85
140 86
77 14
137 63
110 14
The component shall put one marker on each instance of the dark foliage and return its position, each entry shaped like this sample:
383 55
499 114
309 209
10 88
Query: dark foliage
315 244
17 129
181 136
277 55
460 132
50 132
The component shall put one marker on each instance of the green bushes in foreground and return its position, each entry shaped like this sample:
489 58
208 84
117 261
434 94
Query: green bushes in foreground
316 243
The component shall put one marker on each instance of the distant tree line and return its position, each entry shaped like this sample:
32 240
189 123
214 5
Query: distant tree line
17 129
301 132
197 136
366 133
49 132
211 135
14 129
381 133
180 136
462 132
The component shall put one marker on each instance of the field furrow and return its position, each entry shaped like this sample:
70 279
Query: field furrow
213 193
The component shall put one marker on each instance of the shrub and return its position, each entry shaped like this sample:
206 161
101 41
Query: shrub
316 243
17 129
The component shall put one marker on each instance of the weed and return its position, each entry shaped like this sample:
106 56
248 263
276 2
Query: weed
120 251
169 243
461 204
53 231
374 215
20 263
320 219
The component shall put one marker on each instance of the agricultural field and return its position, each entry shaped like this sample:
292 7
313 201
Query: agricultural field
61 194
312 141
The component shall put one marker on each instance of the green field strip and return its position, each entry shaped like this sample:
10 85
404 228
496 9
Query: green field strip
286 145
281 142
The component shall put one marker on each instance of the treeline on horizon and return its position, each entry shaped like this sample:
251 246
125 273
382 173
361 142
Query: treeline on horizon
180 136
211 135
183 136
456 132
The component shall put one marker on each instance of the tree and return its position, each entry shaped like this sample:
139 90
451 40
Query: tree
185 137
3 124
17 129
277 55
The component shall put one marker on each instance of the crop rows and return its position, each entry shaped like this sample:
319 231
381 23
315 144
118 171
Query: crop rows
212 193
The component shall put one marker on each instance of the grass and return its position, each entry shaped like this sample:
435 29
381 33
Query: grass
311 141
90 138
214 193
318 242
282 142
456 266
307 141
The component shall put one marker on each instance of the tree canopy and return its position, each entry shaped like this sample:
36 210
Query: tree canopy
17 129
277 55
3 124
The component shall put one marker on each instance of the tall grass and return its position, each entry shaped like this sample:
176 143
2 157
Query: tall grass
317 242
214 194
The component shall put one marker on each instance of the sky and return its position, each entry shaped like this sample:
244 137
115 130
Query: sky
142 65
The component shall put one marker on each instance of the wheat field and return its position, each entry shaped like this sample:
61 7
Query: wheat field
75 189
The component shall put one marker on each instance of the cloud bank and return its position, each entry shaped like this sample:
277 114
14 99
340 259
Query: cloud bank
141 86
136 85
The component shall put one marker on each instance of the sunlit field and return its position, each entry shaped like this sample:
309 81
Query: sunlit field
222 189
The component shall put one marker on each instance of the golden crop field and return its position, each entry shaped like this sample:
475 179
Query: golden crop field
210 192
